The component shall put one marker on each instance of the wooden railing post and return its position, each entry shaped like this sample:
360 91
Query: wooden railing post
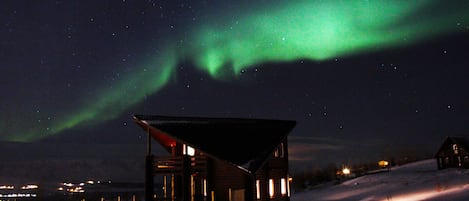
149 169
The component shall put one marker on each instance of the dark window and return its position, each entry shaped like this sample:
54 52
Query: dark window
279 151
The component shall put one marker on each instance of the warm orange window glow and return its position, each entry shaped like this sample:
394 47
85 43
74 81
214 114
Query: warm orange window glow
258 189
192 188
205 188
271 188
283 186
455 149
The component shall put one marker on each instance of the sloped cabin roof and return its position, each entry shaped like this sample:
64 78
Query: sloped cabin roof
244 143
462 141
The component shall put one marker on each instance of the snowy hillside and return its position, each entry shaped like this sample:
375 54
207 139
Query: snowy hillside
415 181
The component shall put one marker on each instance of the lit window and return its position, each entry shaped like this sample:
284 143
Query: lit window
271 188
455 149
258 189
188 150
205 187
192 187
283 186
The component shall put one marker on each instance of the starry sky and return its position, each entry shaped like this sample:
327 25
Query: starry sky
363 79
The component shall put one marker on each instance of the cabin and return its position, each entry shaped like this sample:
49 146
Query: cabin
453 153
218 159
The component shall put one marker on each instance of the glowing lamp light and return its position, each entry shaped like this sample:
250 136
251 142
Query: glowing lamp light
383 163
346 171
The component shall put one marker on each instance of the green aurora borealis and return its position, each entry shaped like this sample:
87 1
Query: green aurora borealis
280 32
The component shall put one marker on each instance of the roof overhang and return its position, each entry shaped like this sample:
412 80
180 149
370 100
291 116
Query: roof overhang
244 143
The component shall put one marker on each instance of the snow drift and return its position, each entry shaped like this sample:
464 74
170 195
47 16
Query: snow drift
420 180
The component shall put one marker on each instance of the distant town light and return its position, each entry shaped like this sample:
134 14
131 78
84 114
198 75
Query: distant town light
8 187
77 189
18 195
68 184
30 186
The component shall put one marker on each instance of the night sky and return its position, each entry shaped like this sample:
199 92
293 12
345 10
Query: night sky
363 79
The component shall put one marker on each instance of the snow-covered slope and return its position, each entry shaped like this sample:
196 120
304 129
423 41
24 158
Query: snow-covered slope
414 181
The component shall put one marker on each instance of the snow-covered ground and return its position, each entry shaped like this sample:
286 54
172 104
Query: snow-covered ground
411 182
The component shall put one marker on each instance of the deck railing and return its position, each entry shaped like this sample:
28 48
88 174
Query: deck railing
176 164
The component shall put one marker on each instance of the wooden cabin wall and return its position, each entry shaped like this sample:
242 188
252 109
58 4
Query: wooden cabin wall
224 177
447 158
275 168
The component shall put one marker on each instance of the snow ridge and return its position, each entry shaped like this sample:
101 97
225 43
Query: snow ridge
419 180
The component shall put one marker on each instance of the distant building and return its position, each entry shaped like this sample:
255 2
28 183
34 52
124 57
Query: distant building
220 159
453 153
